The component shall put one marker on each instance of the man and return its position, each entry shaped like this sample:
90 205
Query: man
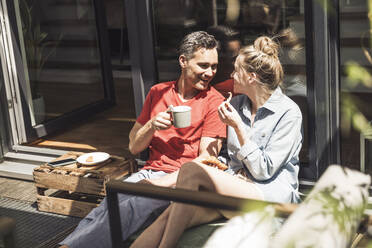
169 147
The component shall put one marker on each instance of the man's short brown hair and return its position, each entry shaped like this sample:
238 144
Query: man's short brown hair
196 40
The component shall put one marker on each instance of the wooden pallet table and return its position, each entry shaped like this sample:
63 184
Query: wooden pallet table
77 189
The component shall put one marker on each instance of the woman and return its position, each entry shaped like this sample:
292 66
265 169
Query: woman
264 141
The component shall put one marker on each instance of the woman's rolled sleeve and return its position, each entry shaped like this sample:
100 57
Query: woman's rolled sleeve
246 150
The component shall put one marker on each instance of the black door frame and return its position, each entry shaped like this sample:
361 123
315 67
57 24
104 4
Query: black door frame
323 77
139 14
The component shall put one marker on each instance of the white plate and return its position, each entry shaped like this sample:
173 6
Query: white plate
93 158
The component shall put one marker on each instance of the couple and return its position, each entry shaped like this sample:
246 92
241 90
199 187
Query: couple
263 142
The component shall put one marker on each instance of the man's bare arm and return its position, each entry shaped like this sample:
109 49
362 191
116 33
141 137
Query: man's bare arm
209 147
140 137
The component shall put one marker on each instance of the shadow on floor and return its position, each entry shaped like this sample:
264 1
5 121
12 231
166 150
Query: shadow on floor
33 227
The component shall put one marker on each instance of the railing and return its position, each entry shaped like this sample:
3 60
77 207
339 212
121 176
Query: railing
200 198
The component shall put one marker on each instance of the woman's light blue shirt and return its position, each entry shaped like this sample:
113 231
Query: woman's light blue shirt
270 157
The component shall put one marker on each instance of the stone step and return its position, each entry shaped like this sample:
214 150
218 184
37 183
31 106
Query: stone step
32 157
20 170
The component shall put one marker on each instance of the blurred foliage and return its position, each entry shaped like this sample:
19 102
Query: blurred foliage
344 216
358 76
351 116
252 205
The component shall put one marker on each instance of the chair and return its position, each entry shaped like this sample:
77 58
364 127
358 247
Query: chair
139 162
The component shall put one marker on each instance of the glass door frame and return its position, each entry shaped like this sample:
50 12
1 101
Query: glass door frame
323 73
139 17
29 132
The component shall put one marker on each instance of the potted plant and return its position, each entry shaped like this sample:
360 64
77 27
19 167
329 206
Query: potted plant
36 42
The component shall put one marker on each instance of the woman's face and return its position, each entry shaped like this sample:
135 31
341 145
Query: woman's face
239 76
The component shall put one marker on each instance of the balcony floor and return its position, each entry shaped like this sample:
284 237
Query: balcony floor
107 131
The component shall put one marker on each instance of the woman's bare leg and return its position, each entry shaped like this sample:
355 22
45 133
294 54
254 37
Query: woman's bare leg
186 215
178 217
195 176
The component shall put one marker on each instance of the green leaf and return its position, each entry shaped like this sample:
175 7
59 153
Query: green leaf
357 75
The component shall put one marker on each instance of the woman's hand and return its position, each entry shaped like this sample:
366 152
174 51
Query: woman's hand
161 121
229 115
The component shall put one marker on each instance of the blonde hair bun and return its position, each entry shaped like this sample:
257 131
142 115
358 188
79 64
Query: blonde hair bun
267 46
263 58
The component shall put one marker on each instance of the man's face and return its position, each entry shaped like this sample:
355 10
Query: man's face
201 69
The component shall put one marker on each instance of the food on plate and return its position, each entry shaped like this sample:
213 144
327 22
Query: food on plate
89 159
214 162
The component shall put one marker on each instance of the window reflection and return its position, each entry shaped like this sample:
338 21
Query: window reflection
173 19
356 86
59 46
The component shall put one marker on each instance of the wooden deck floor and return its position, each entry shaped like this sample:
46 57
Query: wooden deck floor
107 131
102 132
17 189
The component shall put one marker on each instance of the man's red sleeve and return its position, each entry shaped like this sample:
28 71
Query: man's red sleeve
225 87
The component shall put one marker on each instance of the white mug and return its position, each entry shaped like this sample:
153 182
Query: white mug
181 116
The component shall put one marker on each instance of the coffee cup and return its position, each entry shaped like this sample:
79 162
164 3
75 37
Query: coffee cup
181 116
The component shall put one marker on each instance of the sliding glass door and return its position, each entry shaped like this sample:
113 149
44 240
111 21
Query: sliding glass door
62 62
245 20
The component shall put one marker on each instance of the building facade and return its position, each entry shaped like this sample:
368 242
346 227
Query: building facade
60 59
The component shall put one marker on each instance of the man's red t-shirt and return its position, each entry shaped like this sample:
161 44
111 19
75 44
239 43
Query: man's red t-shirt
171 148
225 87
